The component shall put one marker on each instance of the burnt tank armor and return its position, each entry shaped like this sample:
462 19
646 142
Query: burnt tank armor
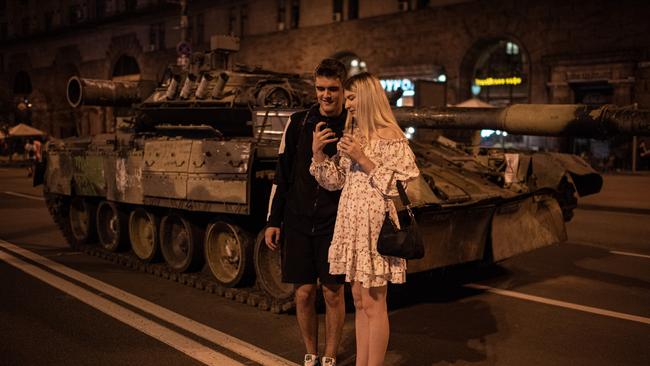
181 188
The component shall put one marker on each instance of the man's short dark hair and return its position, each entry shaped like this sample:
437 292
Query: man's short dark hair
331 68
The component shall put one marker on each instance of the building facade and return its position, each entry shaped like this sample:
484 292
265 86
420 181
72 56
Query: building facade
500 51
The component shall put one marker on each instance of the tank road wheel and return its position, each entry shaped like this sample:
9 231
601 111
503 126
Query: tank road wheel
81 214
111 226
229 253
269 271
181 243
143 234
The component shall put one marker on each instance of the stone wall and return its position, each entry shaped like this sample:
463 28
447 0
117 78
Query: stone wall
561 38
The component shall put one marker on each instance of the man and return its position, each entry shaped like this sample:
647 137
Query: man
306 213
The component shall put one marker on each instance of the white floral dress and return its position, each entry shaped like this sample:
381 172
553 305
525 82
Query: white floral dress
362 209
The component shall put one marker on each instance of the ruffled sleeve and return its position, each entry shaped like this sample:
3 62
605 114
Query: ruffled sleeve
329 173
395 162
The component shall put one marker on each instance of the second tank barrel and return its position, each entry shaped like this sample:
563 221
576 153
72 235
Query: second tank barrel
533 119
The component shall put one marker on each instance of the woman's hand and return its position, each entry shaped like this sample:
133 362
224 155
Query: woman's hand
350 146
322 136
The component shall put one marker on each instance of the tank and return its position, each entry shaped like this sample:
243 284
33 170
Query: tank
181 188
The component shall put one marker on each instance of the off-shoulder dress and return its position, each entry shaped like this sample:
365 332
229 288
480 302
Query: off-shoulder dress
362 209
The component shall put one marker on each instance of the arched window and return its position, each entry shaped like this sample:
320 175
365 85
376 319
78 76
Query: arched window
22 83
126 67
500 75
353 63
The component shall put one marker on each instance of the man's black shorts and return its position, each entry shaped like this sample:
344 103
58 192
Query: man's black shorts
304 258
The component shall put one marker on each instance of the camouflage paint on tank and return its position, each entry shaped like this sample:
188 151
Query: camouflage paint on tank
88 177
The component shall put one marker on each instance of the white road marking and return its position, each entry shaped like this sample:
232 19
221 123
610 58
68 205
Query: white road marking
186 345
563 304
630 254
24 196
236 345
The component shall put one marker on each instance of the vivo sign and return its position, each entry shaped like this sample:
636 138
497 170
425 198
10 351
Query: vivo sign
393 84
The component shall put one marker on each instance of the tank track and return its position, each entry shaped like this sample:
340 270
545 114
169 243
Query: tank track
253 296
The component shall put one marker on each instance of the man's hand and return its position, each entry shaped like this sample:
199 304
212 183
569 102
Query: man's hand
322 136
272 237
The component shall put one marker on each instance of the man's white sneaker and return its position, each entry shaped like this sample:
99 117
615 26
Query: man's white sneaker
328 361
311 360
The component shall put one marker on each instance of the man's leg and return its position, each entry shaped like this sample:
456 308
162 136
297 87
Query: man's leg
307 318
334 318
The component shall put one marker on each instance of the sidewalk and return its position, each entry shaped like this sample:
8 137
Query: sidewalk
625 192
19 161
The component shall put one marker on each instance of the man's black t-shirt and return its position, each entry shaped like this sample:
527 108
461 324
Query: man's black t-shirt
299 202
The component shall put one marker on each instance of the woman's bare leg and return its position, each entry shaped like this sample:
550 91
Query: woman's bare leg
360 325
376 310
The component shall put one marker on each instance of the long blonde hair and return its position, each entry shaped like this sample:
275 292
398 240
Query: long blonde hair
373 110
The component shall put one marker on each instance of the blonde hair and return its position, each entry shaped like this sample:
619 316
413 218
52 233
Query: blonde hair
373 110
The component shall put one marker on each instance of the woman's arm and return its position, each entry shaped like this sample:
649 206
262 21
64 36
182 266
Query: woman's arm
327 171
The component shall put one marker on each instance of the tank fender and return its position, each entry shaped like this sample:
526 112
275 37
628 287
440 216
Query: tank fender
550 168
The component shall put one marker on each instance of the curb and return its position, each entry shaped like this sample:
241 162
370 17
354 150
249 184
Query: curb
634 210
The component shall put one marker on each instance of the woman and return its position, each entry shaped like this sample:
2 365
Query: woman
371 157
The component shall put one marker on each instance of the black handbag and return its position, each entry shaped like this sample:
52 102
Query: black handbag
406 242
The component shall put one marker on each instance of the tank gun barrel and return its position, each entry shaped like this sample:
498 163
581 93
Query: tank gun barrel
106 92
533 119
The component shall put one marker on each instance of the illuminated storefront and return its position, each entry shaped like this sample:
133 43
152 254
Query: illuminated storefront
500 75
402 85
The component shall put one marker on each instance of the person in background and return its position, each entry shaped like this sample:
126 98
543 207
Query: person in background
372 155
304 214
30 156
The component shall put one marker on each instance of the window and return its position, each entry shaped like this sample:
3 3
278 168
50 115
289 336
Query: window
500 74
282 13
243 20
423 4
157 37
512 48
353 9
232 19
295 13
337 14
22 83
24 26
3 31
195 29
100 9
199 29
75 14
130 5
47 20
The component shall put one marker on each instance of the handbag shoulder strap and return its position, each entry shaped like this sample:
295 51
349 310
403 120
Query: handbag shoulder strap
402 194
405 199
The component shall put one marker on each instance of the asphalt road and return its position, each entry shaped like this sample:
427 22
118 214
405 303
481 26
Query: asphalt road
585 302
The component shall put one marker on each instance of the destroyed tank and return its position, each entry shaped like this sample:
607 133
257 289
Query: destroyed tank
181 188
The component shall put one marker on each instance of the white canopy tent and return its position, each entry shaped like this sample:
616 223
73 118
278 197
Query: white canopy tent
474 103
23 130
